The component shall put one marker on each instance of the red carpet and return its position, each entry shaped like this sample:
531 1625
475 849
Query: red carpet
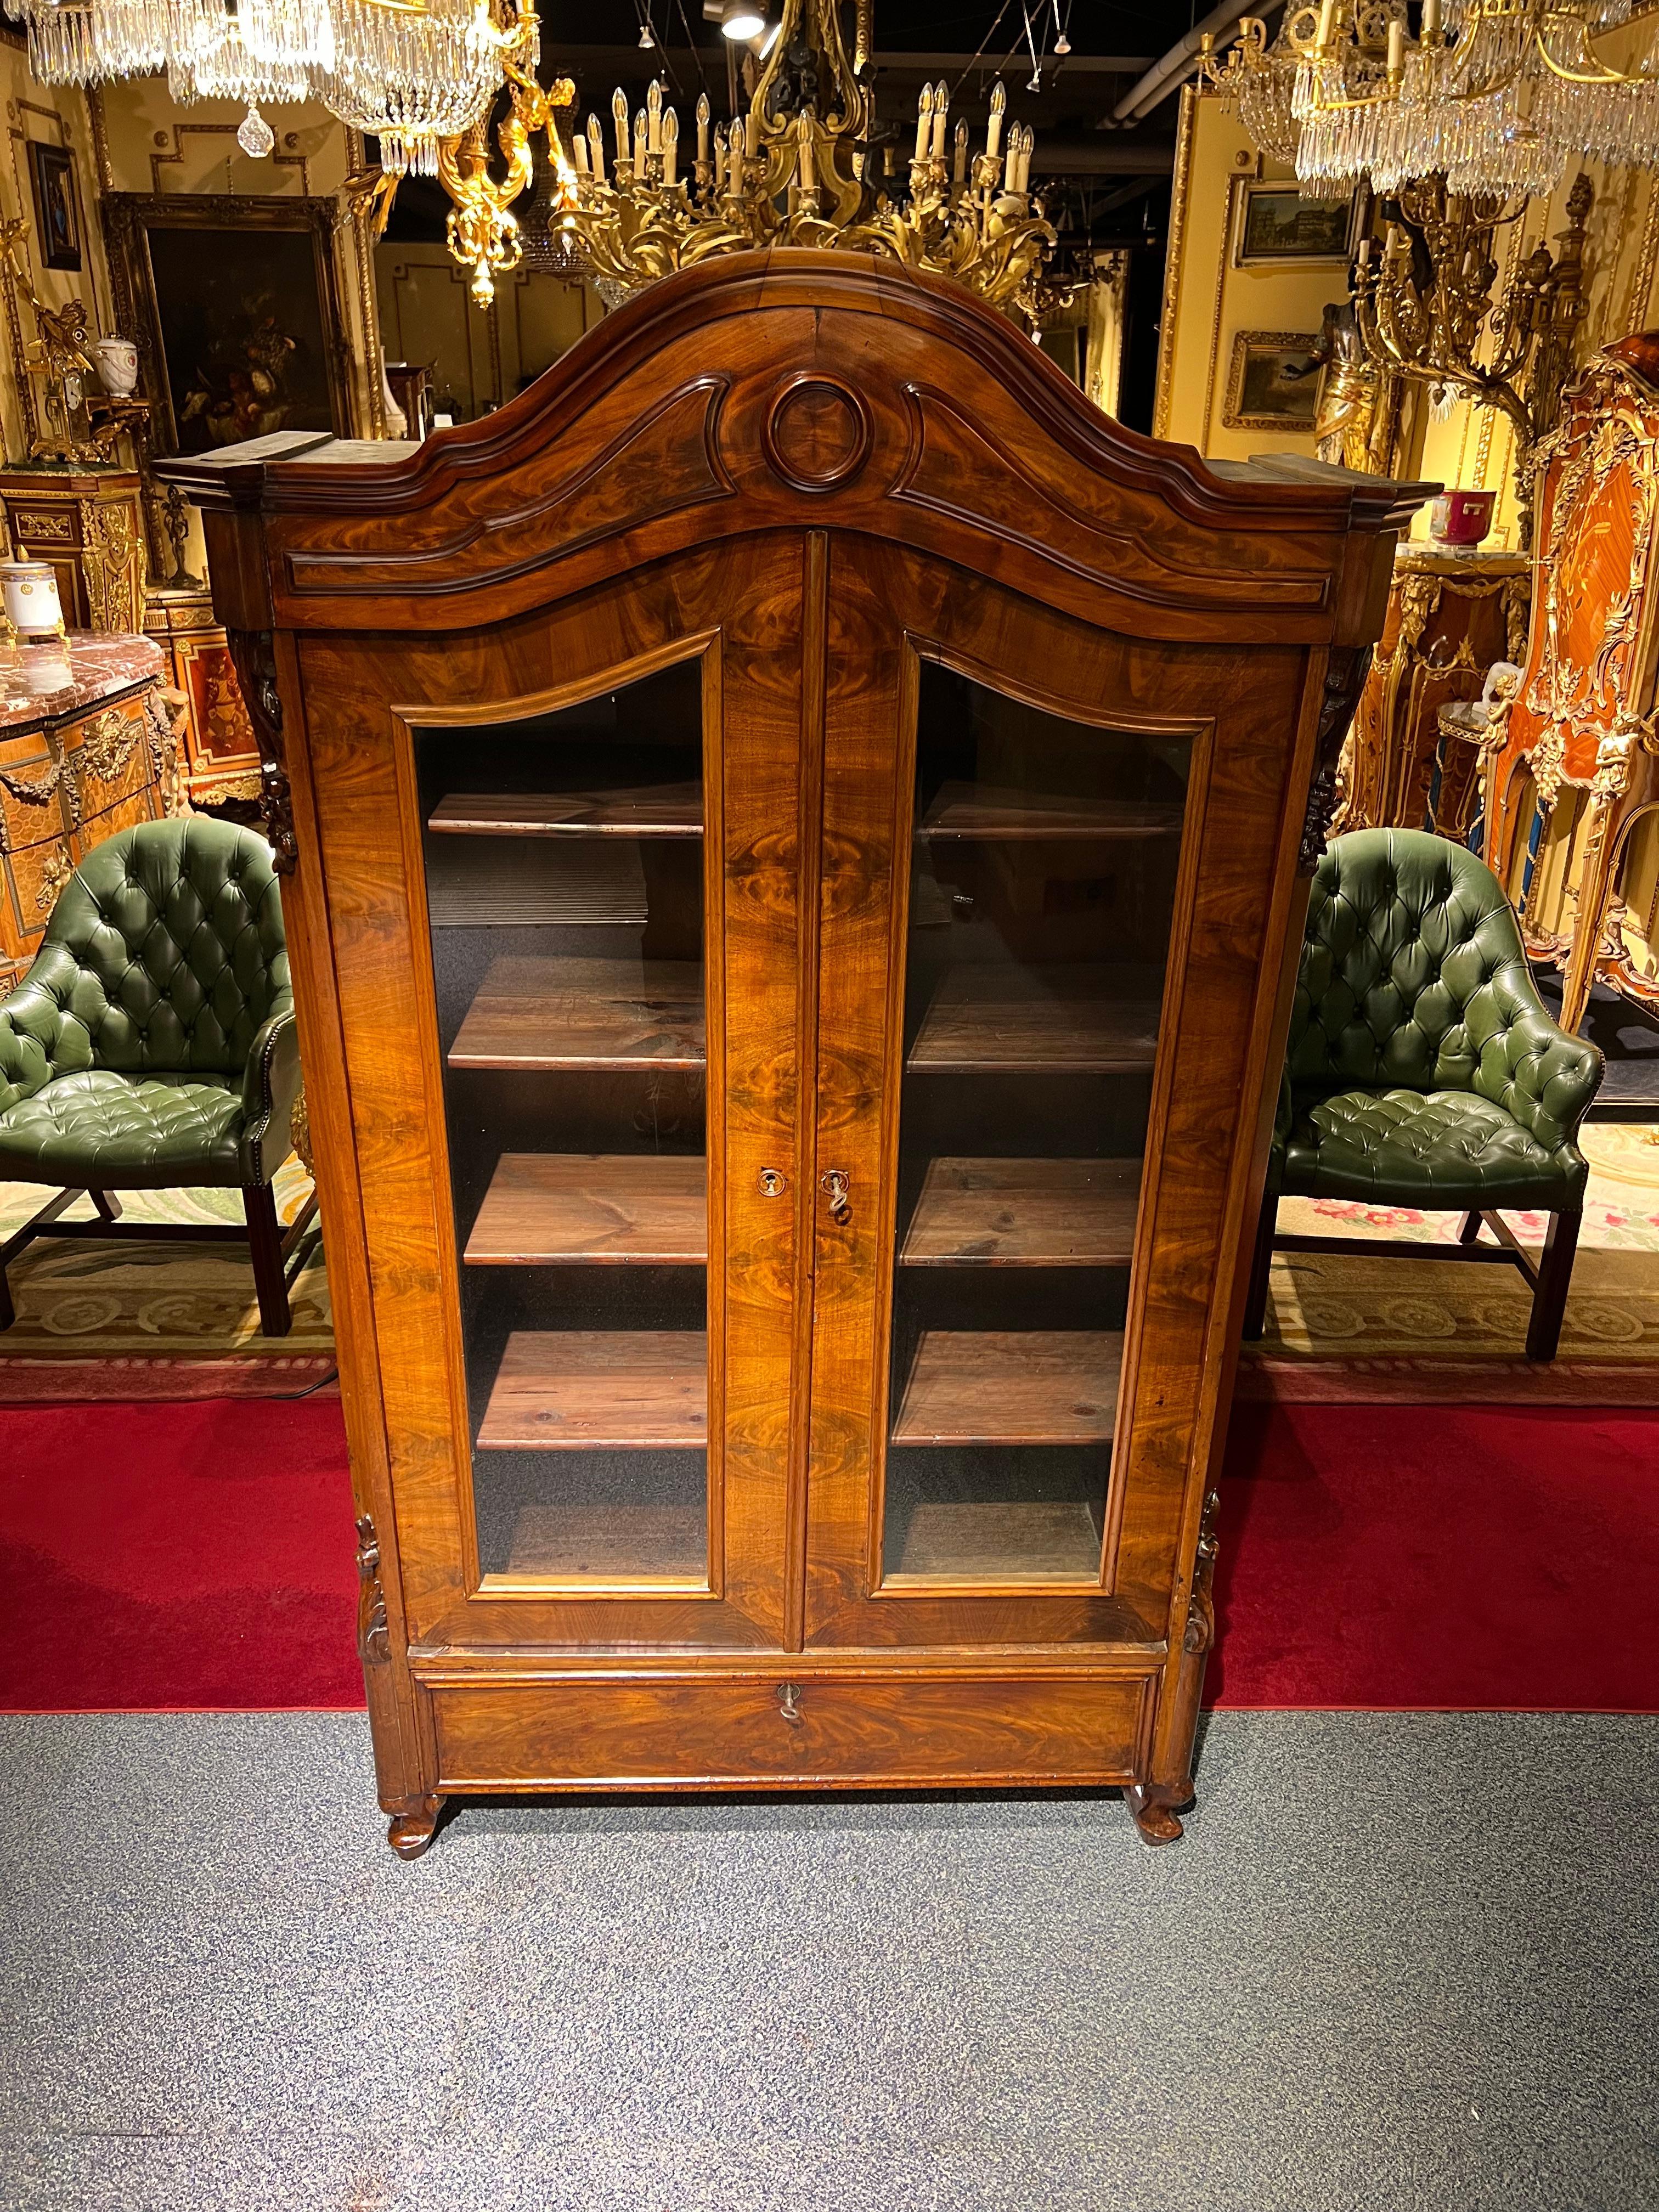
1423 1557
196 1554
200 1555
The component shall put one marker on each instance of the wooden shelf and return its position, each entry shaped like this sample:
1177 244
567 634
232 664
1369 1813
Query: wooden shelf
663 809
582 1389
609 1544
1024 1214
1016 1539
584 1013
980 810
563 1209
992 1020
1011 1386
569 886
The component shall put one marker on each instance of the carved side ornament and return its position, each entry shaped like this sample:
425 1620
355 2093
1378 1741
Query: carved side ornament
1345 678
254 653
1200 1612
374 1632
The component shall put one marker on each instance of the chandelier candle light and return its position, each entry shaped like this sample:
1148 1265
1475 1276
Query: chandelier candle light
407 72
795 169
421 76
1500 97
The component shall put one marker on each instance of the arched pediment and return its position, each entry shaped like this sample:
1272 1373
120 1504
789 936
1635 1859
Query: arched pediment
802 389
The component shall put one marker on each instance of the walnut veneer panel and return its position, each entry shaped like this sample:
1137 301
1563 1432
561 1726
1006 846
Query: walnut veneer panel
567 1208
1024 1214
630 1734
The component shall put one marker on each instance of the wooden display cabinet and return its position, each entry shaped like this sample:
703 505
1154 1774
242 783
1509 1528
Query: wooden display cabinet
797 827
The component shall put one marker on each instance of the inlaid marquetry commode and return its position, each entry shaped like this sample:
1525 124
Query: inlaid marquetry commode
797 827
87 748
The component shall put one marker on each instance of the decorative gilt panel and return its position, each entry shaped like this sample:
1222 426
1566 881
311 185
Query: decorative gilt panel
1585 717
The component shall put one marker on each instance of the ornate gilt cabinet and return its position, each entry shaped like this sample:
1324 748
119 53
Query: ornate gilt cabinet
1573 769
795 830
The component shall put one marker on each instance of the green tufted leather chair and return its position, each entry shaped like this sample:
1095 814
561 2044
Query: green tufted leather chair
152 1044
1422 1069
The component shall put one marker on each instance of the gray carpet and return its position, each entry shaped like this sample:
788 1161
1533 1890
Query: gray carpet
1399 1960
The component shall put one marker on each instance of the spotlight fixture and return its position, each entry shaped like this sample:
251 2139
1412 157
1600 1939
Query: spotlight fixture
741 22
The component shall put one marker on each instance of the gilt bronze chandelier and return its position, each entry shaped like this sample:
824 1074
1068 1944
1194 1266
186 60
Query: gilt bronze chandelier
804 165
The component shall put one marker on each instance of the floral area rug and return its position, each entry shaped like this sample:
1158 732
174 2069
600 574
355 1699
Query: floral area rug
157 1321
1360 1330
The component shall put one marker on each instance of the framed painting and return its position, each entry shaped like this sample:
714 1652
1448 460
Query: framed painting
57 204
234 304
1275 226
1274 381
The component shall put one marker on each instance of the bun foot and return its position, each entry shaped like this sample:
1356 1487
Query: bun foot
410 1833
1156 1820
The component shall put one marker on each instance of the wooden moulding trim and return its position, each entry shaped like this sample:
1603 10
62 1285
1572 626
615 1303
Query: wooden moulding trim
1177 964
456 714
1265 495
471 1785
311 571
1307 589
504 1668
810 801
507 1664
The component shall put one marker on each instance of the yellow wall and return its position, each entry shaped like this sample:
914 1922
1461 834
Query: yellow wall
476 359
56 116
1207 302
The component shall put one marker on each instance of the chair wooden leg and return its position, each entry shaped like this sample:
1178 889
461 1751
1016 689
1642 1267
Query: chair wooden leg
1255 1301
8 1311
264 1238
108 1204
1470 1232
1554 1278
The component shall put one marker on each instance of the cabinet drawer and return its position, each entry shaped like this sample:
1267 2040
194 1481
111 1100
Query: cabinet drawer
580 1731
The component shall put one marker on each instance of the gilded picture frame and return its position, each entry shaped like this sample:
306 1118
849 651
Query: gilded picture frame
1274 382
1274 227
235 304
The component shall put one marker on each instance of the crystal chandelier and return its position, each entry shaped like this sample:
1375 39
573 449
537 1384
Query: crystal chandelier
407 72
1500 97
797 169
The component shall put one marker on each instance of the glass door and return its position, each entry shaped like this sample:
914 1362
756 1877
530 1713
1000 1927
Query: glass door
1003 886
1043 867
564 861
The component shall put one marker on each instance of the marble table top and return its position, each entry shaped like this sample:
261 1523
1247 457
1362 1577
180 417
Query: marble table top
45 685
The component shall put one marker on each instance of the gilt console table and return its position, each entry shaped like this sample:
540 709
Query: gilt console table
87 748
